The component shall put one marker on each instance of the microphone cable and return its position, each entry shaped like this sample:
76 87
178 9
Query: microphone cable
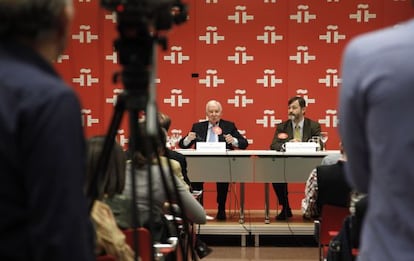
292 232
234 192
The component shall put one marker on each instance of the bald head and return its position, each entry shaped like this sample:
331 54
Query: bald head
214 103
213 111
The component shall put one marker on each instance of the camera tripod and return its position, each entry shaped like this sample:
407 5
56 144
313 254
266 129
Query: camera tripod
137 48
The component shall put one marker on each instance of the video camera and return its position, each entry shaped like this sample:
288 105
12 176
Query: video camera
139 23
162 13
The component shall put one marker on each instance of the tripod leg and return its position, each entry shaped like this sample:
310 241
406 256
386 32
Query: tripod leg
95 190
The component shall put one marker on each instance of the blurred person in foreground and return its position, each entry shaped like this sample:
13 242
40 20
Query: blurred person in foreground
377 91
42 147
215 129
297 128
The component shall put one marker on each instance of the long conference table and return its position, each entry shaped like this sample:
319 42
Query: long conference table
252 166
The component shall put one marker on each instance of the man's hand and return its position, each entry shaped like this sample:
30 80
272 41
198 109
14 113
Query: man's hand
191 136
229 138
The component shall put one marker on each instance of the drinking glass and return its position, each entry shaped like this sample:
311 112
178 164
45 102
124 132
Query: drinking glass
324 138
175 137
317 140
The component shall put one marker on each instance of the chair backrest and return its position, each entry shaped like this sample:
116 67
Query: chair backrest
331 221
333 189
144 242
328 226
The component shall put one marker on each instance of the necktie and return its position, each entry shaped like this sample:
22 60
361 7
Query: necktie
296 134
212 135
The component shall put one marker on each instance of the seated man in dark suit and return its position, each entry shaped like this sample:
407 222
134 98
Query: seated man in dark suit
215 129
165 123
296 129
326 185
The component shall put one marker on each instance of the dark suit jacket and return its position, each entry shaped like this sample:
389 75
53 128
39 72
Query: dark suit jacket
310 128
333 189
171 154
228 127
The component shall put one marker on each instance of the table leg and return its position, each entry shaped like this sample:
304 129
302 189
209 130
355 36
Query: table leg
266 188
241 220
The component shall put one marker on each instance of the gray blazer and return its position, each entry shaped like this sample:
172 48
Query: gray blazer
378 93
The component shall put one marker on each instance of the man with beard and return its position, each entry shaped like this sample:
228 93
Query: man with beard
296 129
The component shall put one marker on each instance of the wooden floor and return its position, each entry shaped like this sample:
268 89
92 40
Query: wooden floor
255 229
222 253
291 240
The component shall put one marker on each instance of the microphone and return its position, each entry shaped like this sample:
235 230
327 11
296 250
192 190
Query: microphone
291 117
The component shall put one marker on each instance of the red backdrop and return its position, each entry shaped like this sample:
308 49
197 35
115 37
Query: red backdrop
250 55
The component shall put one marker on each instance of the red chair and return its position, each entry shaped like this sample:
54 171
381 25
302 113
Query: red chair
106 258
328 226
144 242
146 246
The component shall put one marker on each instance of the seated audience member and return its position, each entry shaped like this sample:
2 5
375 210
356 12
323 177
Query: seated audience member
109 238
151 214
175 165
331 159
165 123
326 185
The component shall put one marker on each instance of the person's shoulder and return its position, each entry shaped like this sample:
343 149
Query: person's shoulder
164 162
334 166
174 163
32 88
33 74
382 41
175 166
44 90
331 159
227 122
200 123
175 155
283 124
312 122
